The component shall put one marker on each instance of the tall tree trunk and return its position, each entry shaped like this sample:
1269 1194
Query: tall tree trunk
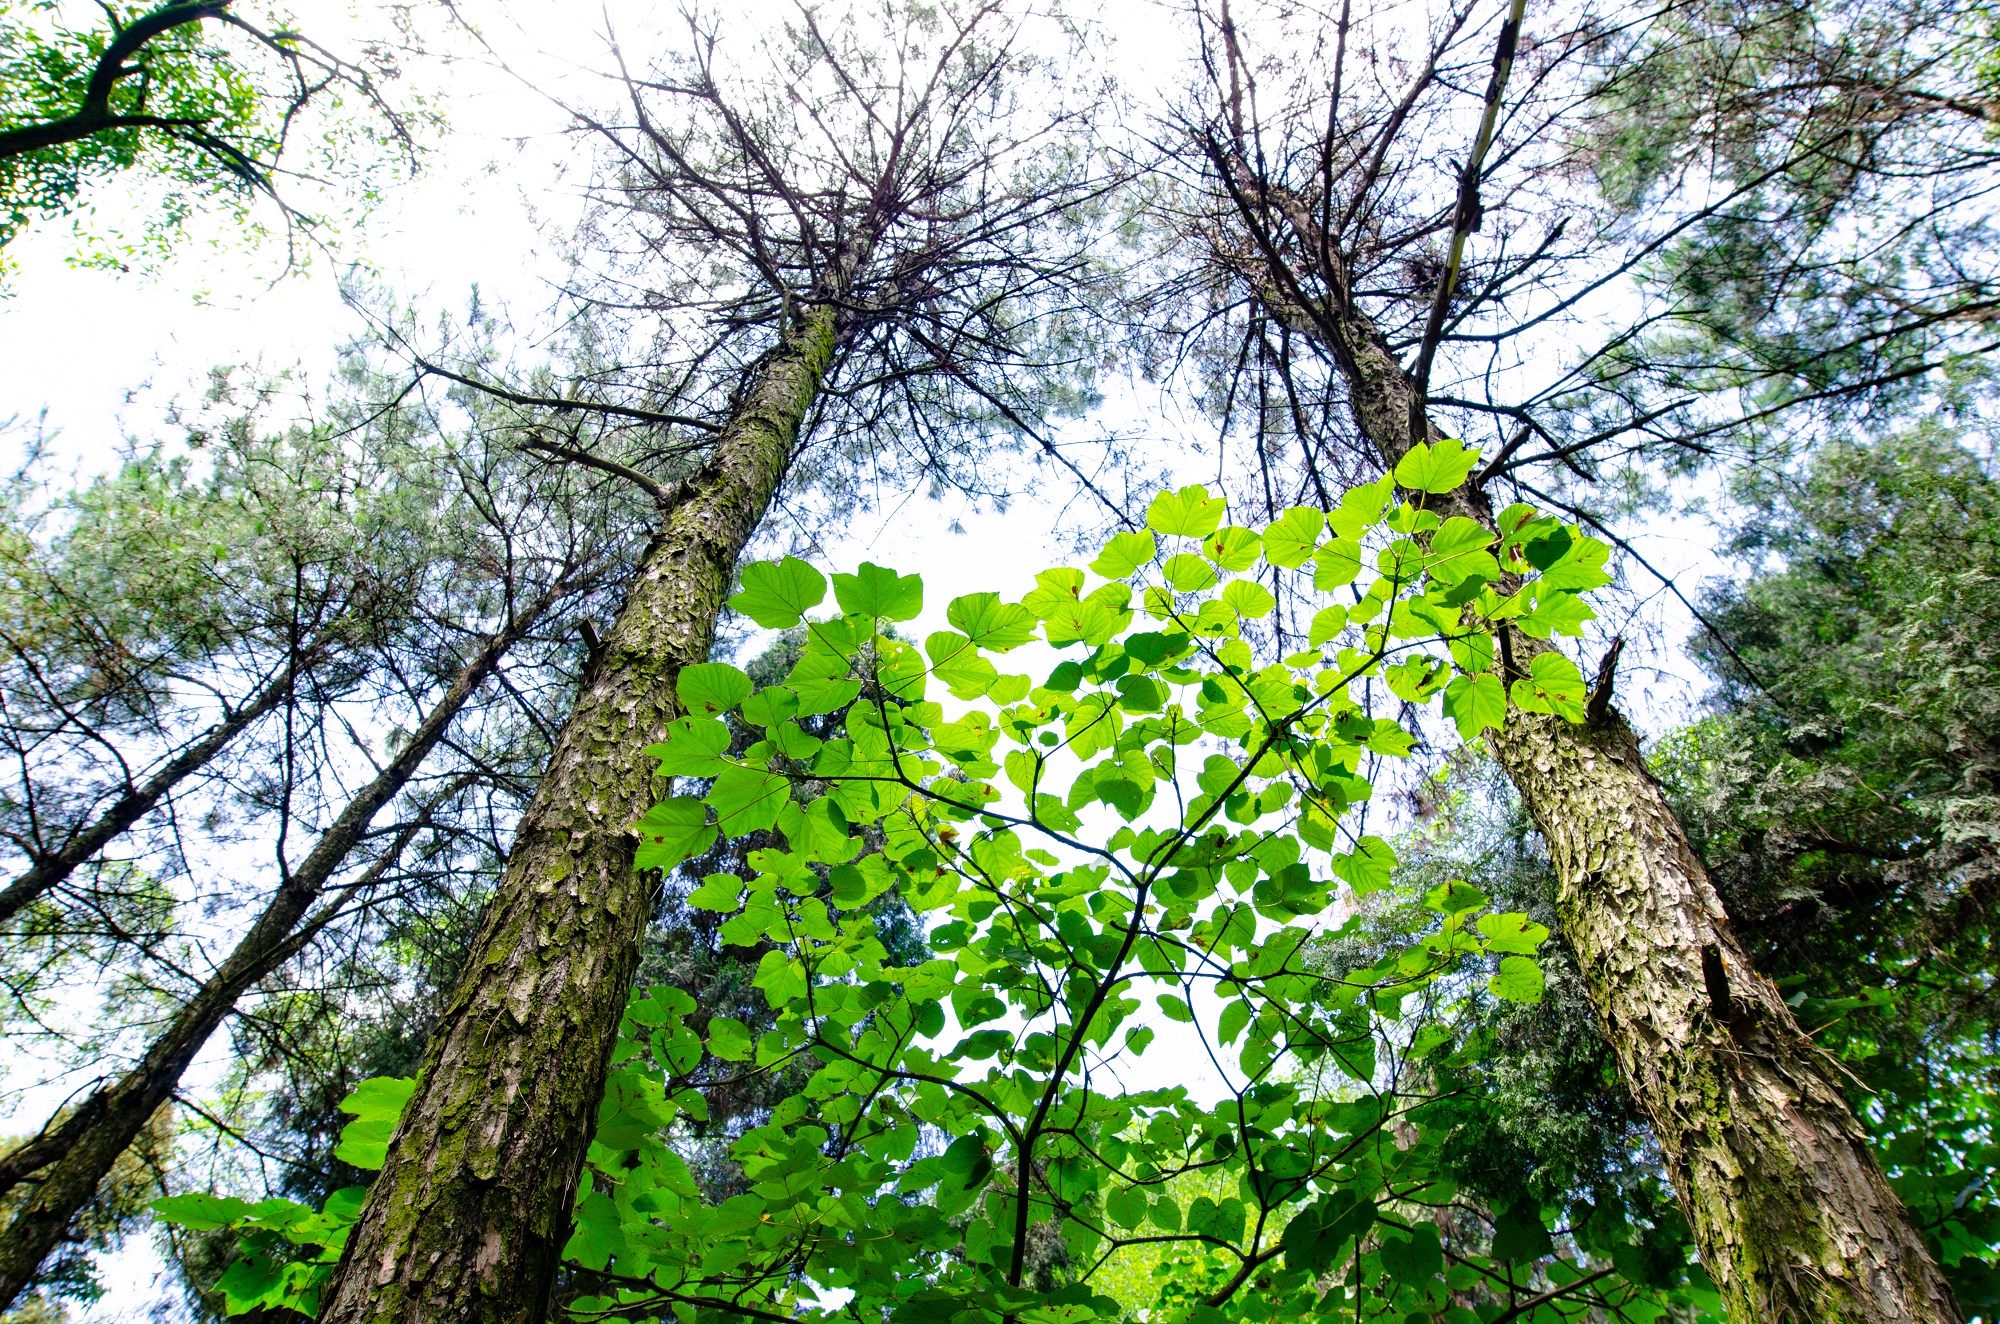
1795 1220
53 867
469 1215
68 1161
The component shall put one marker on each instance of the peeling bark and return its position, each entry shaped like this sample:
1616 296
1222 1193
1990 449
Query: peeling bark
68 1161
469 1216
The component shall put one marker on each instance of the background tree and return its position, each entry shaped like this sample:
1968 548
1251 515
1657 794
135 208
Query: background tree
475 560
200 97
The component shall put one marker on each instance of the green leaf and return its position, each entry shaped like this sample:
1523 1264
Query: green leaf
1368 868
777 594
379 1097
1336 564
1328 623
1460 535
693 748
875 591
1558 613
1475 703
994 625
675 830
1454 898
202 1213
1234 548
1190 512
1443 467
1416 1257
1250 599
1125 555
1581 567
1290 539
1128 1206
718 892
711 687
1519 1234
746 800
955 660
1519 980
1512 933
1552 685
1189 573
729 1039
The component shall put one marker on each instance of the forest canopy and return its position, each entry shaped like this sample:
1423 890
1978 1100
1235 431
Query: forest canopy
1303 831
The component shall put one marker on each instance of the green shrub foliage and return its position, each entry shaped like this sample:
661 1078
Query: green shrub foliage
1120 859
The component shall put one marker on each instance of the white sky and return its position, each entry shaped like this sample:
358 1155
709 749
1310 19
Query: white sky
100 355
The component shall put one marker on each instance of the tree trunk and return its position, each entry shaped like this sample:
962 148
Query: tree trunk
469 1216
52 868
1794 1218
68 1161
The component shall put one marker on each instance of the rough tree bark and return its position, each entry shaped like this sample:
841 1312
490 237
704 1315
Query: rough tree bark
469 1216
67 1162
1795 1220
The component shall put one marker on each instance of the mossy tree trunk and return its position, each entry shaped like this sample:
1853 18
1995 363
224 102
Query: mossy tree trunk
66 1163
468 1217
1796 1222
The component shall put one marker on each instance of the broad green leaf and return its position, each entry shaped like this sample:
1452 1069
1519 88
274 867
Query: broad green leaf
1336 564
729 1038
1475 703
1415 1258
1442 467
1249 599
376 1104
745 800
1558 613
1552 685
1125 555
711 687
1519 980
675 830
1190 512
1368 867
1327 624
994 625
1581 567
693 748
1234 548
379 1097
1188 573
202 1213
1512 933
1460 535
719 892
777 594
1291 539
955 660
1128 1206
875 591
1364 505
1054 590
1454 898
